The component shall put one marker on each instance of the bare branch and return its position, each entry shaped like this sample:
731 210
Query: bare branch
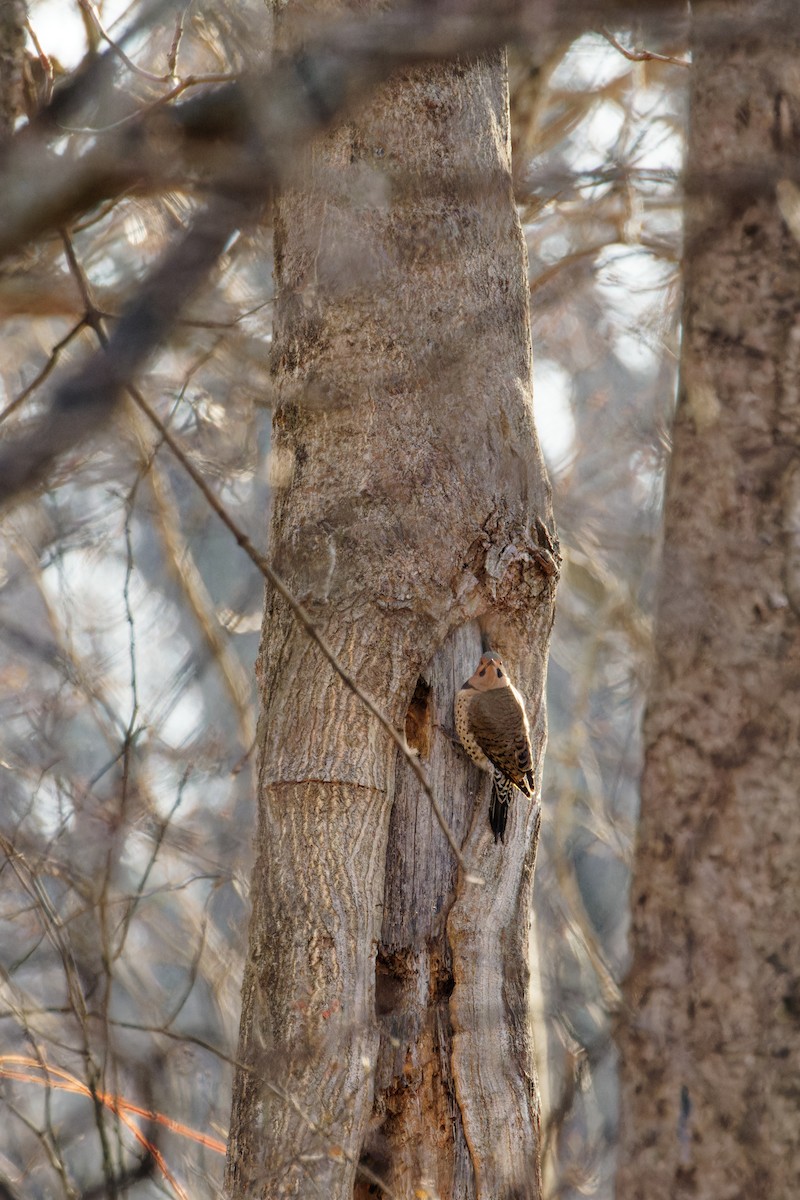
260 561
85 402
304 619
278 111
643 55
92 16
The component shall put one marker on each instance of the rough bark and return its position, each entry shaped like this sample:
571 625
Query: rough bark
712 1040
12 47
411 520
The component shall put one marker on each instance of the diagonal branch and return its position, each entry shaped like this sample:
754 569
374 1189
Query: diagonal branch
85 402
303 619
264 566
273 113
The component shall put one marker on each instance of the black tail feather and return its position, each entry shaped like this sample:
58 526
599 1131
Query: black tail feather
502 791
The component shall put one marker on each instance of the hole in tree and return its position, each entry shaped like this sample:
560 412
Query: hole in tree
418 719
390 974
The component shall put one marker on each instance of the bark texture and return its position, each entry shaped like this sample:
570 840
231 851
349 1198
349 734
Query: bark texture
410 516
456 1111
12 50
710 1048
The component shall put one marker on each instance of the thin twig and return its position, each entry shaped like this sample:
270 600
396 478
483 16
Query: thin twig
87 399
308 1120
45 371
45 62
91 14
183 85
172 56
276 582
643 55
277 111
304 620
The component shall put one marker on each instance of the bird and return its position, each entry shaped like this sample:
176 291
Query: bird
492 726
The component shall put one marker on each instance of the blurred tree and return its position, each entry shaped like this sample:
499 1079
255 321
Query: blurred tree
710 1045
12 59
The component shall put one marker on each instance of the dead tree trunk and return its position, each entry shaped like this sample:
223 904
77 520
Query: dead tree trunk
411 518
711 1043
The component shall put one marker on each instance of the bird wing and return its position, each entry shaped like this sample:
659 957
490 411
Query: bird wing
498 723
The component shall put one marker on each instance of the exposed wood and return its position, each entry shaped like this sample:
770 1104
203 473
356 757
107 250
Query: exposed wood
456 1097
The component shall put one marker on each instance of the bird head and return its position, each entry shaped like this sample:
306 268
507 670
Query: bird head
490 673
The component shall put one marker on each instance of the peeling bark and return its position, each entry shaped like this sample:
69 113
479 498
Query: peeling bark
712 1040
413 520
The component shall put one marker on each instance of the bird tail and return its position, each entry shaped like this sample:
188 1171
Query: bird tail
502 791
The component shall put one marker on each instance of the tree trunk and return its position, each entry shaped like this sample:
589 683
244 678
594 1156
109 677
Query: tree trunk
12 53
711 1043
412 521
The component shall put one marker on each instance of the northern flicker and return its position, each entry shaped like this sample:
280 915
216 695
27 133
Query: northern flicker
493 729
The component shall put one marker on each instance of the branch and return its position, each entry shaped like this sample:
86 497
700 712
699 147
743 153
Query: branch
644 55
85 402
261 562
303 618
252 128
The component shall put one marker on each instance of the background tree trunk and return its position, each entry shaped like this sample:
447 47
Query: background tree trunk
411 521
711 1045
12 53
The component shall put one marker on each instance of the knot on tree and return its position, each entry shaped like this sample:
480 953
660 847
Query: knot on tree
514 564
